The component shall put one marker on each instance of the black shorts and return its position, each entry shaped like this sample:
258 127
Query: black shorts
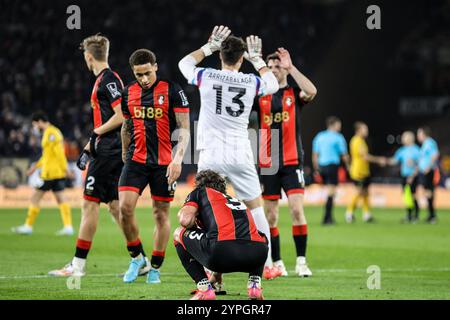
413 184
329 174
427 180
290 178
136 176
102 179
363 183
224 256
54 185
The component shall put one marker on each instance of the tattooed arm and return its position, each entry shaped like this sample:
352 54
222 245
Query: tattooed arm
174 168
125 133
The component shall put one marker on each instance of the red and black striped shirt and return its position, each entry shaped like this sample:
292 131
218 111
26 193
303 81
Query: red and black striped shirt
106 95
152 113
223 217
281 111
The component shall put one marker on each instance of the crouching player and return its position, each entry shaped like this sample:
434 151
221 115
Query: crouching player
218 232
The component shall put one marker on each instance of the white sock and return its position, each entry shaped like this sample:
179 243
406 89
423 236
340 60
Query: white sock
254 280
263 226
78 263
301 260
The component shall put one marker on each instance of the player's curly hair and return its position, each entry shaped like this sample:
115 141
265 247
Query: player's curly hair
97 45
232 49
210 179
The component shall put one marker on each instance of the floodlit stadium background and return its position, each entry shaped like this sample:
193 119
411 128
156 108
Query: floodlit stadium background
394 79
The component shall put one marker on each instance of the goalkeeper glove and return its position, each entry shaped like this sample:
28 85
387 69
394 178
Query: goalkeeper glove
93 144
254 53
83 160
218 35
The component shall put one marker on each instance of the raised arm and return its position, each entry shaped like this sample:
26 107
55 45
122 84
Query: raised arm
308 90
188 63
254 56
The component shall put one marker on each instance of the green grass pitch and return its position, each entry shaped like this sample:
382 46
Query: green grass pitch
414 260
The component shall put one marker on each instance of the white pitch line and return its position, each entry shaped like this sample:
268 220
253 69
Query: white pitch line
104 275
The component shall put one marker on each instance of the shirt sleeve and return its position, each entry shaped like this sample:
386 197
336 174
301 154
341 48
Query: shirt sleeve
342 145
197 77
192 199
113 91
301 102
178 98
315 144
398 155
125 110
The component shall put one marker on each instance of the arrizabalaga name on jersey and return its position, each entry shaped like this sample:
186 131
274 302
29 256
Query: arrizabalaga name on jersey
227 78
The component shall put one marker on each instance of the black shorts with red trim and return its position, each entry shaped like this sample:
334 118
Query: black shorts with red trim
136 176
290 178
224 256
54 185
102 179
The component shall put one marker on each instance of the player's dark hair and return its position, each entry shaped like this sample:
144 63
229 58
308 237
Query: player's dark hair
358 125
426 130
330 121
272 56
142 56
97 45
39 115
232 49
210 179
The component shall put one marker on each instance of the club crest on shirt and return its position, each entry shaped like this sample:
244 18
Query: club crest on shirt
160 99
288 101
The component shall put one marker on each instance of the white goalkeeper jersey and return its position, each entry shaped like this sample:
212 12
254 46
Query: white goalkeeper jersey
226 102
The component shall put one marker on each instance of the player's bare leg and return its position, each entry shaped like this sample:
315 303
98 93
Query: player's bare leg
114 210
299 232
33 212
127 204
161 236
66 214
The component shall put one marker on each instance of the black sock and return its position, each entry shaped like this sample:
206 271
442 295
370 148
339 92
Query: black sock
416 209
328 209
431 211
257 272
300 235
409 213
192 266
135 248
157 259
275 244
82 248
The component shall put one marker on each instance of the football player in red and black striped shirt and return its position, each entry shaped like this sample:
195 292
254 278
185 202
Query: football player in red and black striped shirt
153 108
281 111
103 149
219 233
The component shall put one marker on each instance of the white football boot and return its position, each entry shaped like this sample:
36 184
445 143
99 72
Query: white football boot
23 229
280 265
301 268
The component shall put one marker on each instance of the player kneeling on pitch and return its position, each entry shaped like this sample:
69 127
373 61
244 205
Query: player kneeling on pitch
218 232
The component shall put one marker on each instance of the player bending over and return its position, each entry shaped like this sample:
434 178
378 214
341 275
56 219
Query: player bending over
218 232
153 108
53 166
360 171
227 97
281 111
103 151
408 157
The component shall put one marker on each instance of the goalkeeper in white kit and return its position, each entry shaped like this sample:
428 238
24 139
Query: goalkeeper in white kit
227 96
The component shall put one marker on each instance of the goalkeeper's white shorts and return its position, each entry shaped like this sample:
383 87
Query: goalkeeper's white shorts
237 166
